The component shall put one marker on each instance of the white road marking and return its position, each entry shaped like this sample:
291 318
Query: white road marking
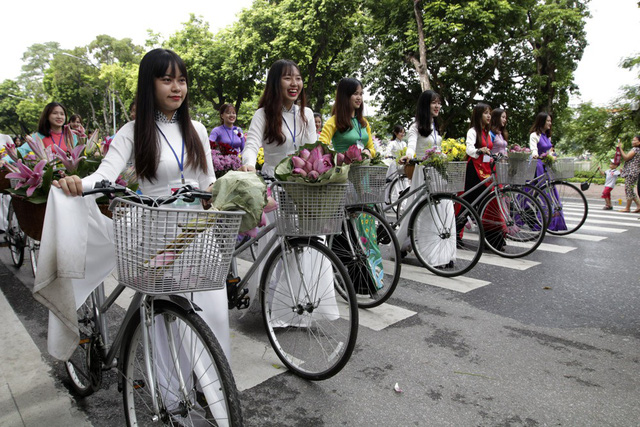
252 362
579 236
460 284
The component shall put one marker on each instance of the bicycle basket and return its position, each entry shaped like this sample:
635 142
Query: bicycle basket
452 182
563 168
366 185
309 209
167 251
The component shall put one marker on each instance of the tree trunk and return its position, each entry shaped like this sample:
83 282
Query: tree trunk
421 64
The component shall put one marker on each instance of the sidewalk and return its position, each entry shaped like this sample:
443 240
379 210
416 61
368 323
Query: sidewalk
618 199
28 394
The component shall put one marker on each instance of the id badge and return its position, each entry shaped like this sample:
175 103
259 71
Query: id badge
360 144
486 159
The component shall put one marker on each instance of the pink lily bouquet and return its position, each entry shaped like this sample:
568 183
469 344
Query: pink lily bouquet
34 172
314 164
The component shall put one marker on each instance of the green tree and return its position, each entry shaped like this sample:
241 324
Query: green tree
10 96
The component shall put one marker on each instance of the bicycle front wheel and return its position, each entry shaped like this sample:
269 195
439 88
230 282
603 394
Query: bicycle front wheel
34 250
568 207
514 223
15 237
370 252
446 235
309 308
84 367
193 382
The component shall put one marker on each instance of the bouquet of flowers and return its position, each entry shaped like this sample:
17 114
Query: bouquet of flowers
435 159
34 172
516 152
225 158
316 164
400 154
260 159
455 149
548 158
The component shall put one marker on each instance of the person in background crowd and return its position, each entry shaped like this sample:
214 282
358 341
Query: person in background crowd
75 122
50 126
318 119
227 133
611 175
631 173
539 144
498 132
347 125
396 143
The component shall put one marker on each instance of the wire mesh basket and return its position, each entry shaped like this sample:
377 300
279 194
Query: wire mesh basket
366 185
166 251
309 209
514 171
451 182
563 168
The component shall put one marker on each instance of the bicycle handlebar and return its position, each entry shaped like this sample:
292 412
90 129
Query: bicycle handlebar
186 193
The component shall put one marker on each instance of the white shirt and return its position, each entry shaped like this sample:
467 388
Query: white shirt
121 152
471 143
274 153
418 144
4 140
610 177
534 138
395 146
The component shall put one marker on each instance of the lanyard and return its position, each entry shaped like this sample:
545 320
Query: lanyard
293 134
181 160
359 128
59 143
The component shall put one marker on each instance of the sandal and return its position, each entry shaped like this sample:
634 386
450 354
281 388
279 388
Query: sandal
637 211
624 210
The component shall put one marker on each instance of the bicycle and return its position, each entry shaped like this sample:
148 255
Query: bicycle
397 185
559 194
514 222
312 331
15 238
172 368
367 245
436 218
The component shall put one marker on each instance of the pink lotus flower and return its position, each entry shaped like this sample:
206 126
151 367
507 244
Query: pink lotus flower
308 166
322 165
316 154
297 162
28 177
313 175
340 159
304 154
353 154
70 163
299 171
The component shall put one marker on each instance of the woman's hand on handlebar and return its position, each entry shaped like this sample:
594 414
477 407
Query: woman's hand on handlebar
247 168
70 185
403 160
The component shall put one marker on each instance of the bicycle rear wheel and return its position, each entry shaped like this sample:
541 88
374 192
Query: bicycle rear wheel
370 252
16 238
446 235
514 223
184 351
569 208
540 197
397 187
311 320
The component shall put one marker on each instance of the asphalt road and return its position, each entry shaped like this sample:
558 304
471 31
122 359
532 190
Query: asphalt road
552 339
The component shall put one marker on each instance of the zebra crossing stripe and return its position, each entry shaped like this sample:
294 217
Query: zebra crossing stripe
459 284
579 236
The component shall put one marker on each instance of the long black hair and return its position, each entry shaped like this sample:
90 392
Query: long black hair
496 123
538 124
271 100
476 121
155 64
342 107
44 127
423 112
